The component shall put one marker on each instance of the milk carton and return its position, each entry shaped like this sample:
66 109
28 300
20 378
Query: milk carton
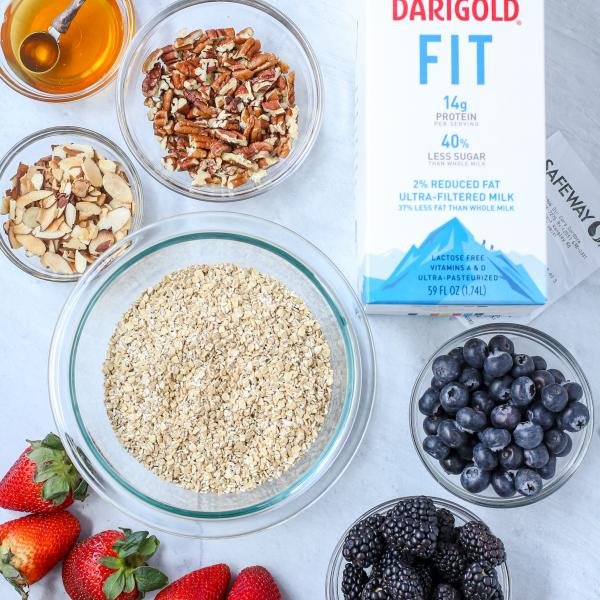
451 138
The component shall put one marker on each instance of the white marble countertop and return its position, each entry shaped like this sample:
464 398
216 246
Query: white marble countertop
553 545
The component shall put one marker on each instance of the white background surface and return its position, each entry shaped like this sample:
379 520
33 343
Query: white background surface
553 546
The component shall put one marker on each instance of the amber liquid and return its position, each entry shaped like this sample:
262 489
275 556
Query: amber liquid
88 50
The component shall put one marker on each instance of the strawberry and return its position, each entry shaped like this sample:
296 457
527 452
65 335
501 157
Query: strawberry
42 480
112 565
32 545
254 583
210 583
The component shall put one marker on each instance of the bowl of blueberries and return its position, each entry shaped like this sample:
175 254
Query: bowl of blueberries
502 415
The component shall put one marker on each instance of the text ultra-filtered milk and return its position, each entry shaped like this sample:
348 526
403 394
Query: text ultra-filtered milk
452 147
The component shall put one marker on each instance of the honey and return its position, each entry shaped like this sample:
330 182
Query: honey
88 50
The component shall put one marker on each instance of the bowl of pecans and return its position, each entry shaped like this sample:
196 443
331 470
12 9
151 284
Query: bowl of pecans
228 107
68 195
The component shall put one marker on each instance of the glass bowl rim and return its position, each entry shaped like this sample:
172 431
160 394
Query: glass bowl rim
90 135
202 193
129 23
539 337
332 591
358 395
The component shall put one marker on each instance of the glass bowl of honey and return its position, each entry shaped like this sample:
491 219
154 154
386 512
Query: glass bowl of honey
90 51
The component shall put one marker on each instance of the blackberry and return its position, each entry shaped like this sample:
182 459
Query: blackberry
391 556
412 525
426 574
449 562
403 582
446 523
480 544
354 580
364 544
480 582
373 590
446 592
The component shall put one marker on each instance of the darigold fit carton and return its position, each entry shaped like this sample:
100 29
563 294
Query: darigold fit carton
451 137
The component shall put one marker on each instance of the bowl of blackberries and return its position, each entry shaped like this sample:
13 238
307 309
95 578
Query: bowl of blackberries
502 415
418 548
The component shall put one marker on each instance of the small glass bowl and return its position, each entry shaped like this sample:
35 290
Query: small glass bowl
277 33
333 589
110 287
17 83
529 341
35 146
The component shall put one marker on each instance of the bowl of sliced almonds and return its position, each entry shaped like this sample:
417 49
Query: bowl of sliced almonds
68 194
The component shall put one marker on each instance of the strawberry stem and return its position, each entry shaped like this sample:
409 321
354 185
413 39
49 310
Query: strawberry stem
12 574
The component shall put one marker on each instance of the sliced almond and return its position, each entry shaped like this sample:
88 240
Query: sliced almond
48 202
14 243
34 196
57 173
32 244
70 214
87 209
22 229
115 219
80 148
37 181
5 206
30 216
103 242
55 225
12 209
117 188
74 244
46 216
68 163
56 263
47 235
64 228
92 172
107 166
59 151
80 188
80 262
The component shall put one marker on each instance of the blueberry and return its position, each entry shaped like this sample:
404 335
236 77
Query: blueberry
567 449
471 378
450 434
466 452
475 352
536 457
430 424
500 389
558 375
480 400
457 353
556 440
574 418
537 413
549 469
453 464
511 457
554 397
574 391
498 363
542 379
503 483
505 416
434 446
429 402
475 480
522 392
501 343
471 420
528 482
484 458
446 368
524 365
453 397
495 439
436 384
540 363
487 379
528 435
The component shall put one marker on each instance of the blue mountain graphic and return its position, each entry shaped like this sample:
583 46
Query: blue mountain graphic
505 281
